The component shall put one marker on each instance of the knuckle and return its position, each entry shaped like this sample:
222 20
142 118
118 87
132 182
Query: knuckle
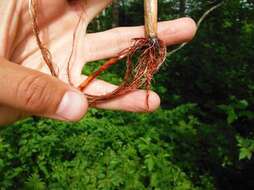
33 92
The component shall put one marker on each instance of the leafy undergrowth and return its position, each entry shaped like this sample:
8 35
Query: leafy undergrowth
106 150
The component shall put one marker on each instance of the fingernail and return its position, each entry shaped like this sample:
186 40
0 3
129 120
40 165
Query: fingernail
72 106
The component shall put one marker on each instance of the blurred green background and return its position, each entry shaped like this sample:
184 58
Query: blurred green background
201 137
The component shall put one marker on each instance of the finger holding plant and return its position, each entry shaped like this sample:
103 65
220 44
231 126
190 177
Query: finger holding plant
151 53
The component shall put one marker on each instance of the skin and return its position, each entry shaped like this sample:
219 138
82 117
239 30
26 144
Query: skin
29 90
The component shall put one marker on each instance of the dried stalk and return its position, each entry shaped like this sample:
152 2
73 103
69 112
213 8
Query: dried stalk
200 21
151 18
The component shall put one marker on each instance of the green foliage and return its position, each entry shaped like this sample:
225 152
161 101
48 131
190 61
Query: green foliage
34 182
246 147
101 153
205 145
236 109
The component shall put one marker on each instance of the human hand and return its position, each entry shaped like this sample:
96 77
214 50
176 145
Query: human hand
28 92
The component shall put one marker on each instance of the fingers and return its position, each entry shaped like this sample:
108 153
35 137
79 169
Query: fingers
39 94
110 43
132 102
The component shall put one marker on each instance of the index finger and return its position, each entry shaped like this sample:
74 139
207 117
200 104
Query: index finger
109 43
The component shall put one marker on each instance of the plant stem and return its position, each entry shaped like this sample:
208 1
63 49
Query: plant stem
151 18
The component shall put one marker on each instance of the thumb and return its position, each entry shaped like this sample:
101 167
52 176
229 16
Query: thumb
39 94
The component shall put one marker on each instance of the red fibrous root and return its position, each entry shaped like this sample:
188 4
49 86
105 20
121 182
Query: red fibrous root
46 55
150 53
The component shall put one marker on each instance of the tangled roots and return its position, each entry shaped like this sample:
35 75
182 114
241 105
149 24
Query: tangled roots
150 53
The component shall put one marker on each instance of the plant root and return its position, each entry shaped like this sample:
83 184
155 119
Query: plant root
150 53
36 30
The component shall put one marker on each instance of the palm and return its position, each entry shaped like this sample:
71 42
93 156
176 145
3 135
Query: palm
57 20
